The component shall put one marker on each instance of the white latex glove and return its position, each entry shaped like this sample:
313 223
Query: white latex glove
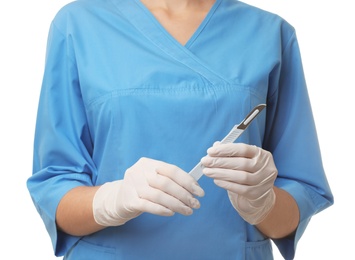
248 174
148 186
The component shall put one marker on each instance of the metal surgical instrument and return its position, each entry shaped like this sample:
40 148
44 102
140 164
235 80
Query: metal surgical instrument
233 135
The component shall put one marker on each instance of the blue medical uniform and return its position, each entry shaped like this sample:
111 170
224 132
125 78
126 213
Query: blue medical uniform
118 87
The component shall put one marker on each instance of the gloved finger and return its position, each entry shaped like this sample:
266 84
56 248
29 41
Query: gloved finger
166 193
163 199
153 208
232 163
134 204
253 169
233 150
170 187
146 168
180 177
262 162
231 175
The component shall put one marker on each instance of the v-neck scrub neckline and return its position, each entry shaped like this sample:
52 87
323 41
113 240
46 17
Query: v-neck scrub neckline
196 33
144 21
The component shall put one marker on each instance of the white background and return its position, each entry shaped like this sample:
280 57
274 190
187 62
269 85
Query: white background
324 30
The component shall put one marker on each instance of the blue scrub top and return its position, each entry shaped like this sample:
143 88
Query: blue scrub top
118 87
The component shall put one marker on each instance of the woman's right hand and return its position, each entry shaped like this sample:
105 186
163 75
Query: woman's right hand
149 186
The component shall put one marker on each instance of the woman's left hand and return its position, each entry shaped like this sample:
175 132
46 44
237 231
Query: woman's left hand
248 174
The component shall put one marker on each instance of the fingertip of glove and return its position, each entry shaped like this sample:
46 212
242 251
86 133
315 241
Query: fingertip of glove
197 190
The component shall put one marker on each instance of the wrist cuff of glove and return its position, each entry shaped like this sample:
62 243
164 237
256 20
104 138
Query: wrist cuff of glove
104 204
258 214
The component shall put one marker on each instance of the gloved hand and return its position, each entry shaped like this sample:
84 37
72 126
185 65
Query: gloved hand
148 186
247 173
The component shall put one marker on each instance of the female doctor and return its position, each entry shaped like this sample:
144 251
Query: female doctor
135 93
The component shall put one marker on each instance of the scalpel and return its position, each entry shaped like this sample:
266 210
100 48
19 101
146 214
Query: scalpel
233 135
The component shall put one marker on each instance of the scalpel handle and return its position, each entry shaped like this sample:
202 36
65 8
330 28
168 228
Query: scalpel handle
196 172
233 135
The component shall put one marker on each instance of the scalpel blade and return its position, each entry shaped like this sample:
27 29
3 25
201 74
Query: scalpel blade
233 135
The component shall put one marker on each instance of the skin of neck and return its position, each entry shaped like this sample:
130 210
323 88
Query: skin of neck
176 6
